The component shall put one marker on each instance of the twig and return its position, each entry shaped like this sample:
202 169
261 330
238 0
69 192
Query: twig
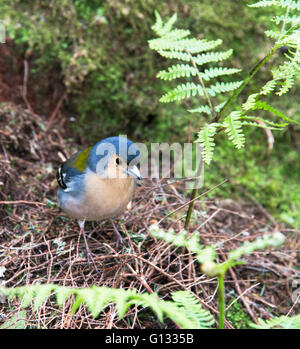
196 198
21 202
24 89
55 111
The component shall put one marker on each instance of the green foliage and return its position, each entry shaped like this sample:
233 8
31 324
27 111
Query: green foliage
206 138
175 43
281 322
171 44
206 255
180 240
233 128
16 322
288 34
184 310
272 180
280 3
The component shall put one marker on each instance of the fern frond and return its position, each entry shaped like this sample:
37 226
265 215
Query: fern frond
251 102
204 254
162 29
272 34
269 124
202 109
191 307
261 243
206 139
284 322
268 87
177 71
265 106
175 55
181 92
210 57
190 45
294 20
233 128
265 3
214 72
97 298
221 87
254 103
280 3
206 109
177 34
254 124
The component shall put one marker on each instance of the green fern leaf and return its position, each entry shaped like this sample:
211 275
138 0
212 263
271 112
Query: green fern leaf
95 298
27 295
124 300
177 34
175 55
62 294
286 86
221 87
181 92
193 310
218 71
206 139
280 3
294 20
152 301
202 109
275 111
268 87
209 57
233 128
41 294
190 45
284 322
177 71
269 124
206 109
162 29
272 34
251 102
266 3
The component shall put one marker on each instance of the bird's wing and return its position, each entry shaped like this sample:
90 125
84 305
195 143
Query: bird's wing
72 168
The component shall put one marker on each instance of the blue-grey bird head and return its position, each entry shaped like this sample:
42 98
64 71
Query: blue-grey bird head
120 149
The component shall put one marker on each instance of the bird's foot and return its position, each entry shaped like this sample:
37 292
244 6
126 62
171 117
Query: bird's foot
118 235
89 255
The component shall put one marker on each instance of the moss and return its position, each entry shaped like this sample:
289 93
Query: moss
237 317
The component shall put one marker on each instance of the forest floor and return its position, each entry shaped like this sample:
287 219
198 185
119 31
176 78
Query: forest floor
39 244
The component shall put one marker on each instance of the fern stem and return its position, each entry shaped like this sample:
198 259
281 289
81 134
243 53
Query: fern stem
222 114
213 115
285 19
190 209
221 296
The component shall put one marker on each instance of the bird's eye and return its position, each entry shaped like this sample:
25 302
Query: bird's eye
118 161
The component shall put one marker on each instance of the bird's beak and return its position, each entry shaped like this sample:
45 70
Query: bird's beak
134 172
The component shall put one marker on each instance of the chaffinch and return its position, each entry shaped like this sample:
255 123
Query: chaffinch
98 182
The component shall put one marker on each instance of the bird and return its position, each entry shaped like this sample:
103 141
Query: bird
98 183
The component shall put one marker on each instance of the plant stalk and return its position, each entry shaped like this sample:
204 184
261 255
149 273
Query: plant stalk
222 114
221 296
213 115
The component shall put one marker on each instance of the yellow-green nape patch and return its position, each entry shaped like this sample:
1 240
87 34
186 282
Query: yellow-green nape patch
81 159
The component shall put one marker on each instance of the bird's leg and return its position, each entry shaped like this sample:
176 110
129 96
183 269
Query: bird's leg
119 237
88 251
